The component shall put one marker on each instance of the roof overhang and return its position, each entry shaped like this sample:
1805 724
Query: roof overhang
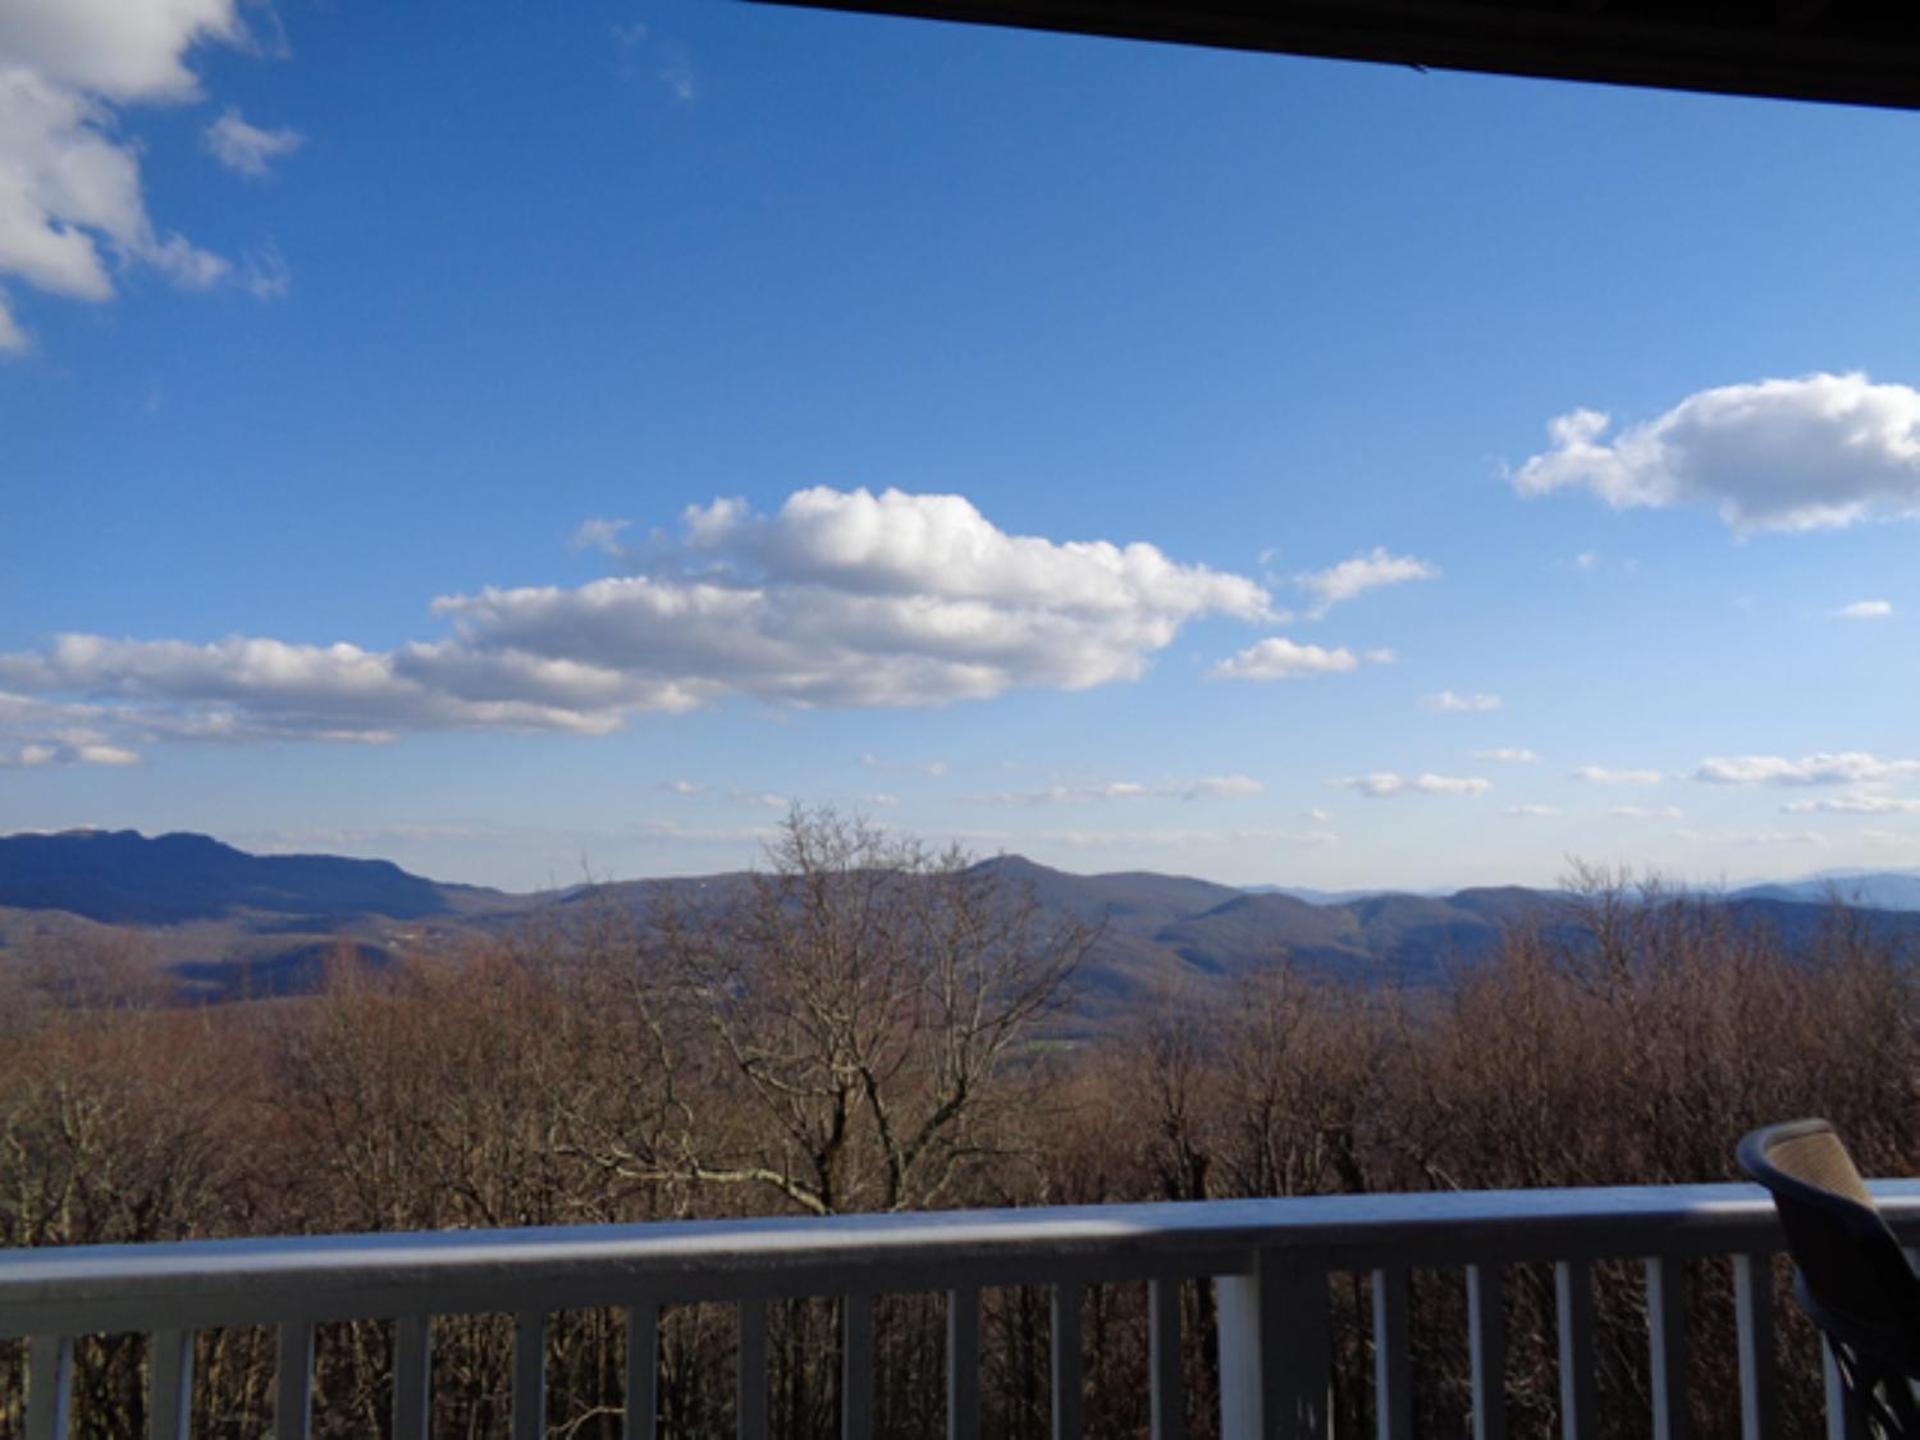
1833 50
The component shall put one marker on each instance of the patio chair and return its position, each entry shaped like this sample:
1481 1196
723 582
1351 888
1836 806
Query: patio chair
1850 1273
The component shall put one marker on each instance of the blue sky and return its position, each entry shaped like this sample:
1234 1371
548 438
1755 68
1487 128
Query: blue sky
331 330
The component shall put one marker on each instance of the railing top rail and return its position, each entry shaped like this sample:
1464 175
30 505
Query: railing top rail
466 1270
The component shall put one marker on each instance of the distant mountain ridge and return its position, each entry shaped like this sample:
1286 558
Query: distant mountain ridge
226 923
122 877
1873 890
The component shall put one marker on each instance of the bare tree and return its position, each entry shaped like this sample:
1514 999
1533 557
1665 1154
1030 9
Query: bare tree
848 1031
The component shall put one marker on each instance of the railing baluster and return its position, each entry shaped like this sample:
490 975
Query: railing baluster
49 1384
856 1368
1573 1290
1667 1343
530 1375
1065 1345
643 1372
1487 1351
1753 1310
169 1384
750 1373
1276 1354
412 1377
963 1364
1392 1360
1168 1400
1844 1419
293 1383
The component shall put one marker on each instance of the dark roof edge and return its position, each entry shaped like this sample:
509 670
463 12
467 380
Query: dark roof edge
1778 61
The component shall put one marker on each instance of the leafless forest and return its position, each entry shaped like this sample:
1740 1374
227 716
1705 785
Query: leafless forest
877 1028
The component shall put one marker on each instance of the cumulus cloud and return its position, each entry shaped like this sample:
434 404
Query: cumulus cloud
1864 610
35 734
1855 803
1508 755
1278 658
1370 571
247 149
1819 452
72 208
683 787
1530 812
1600 775
1448 703
1647 812
1384 784
1851 767
839 599
1212 787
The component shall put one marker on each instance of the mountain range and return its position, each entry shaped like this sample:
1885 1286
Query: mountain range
223 923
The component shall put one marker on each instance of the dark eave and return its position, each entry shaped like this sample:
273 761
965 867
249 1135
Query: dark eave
1842 50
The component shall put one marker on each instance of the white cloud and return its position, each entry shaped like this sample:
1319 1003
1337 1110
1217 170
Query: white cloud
1600 775
1647 812
1212 787
13 339
1530 812
679 78
1380 656
1370 571
1383 784
1278 658
1448 703
1853 803
1864 610
72 750
72 208
35 734
1815 453
247 149
1758 838
1508 755
1852 767
601 534
683 787
763 799
840 599
934 768
1185 839
1319 816
1585 560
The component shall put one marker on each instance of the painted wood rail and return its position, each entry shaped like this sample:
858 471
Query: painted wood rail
1270 1263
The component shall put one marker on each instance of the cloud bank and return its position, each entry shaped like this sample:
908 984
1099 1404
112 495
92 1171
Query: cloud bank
1850 767
1821 452
840 599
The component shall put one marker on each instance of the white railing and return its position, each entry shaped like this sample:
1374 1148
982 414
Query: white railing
1271 1261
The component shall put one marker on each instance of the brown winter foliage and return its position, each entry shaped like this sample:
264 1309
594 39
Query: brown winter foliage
876 1027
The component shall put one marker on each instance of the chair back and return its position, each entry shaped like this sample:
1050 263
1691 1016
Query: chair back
1851 1274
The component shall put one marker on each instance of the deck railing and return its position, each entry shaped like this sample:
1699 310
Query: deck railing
1271 1262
